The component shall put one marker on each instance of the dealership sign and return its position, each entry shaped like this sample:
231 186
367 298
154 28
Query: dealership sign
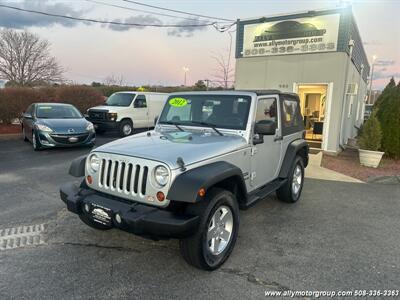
294 36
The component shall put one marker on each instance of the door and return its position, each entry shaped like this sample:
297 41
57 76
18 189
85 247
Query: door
140 112
28 122
266 155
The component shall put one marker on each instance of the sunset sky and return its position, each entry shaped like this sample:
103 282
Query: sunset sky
91 52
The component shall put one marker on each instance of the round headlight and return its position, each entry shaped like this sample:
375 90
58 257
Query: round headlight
94 163
161 175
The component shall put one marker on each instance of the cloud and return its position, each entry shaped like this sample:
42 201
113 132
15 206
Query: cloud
187 31
385 75
18 19
385 62
372 43
141 19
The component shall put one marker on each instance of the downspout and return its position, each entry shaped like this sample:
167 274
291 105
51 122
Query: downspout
351 45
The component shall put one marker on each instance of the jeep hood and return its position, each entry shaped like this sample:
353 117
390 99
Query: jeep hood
168 146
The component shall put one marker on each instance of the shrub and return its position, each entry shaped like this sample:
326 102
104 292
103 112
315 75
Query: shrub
82 97
14 101
371 135
388 114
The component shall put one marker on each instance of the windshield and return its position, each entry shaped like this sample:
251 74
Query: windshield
221 111
58 111
120 99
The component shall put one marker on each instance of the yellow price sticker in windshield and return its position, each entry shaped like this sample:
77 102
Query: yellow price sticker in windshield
178 102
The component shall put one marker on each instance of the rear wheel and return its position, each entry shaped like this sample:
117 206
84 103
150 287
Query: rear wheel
216 236
290 192
85 219
125 128
24 134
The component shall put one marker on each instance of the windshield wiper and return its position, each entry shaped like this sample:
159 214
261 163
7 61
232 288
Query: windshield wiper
207 125
172 123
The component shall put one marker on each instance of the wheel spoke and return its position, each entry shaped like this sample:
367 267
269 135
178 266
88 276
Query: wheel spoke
217 241
225 235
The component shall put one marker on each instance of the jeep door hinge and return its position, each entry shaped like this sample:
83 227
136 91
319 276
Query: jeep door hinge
253 151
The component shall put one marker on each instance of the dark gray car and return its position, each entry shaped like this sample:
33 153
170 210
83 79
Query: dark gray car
49 125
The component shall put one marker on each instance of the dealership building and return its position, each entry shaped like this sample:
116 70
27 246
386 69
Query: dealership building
317 54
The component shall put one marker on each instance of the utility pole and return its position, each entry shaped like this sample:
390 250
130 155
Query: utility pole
207 83
185 70
370 79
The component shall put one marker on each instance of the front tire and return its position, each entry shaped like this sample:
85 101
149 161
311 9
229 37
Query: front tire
216 236
125 128
37 146
290 192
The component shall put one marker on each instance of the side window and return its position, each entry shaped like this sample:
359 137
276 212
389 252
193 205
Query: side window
266 110
140 102
30 109
290 113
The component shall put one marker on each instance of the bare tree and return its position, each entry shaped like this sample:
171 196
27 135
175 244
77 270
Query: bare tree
25 59
224 73
114 80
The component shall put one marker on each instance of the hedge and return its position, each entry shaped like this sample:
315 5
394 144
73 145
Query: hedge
14 101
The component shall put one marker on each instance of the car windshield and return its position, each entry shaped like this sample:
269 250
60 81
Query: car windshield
120 99
58 111
221 111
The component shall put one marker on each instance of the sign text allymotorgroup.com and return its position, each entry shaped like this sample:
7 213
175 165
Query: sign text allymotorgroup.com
294 36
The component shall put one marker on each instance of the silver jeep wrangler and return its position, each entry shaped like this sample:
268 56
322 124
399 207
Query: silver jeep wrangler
210 154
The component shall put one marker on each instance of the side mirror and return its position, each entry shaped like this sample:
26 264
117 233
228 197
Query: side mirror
265 128
27 116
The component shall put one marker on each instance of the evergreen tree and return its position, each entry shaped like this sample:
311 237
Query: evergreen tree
388 113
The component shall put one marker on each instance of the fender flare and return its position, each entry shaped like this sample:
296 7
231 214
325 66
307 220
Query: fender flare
186 186
77 168
291 152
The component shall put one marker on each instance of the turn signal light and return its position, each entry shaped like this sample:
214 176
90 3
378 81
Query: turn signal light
89 179
202 192
160 196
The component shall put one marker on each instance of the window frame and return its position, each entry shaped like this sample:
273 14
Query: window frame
278 109
300 125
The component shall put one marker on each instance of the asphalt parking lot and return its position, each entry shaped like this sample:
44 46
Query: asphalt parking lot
340 236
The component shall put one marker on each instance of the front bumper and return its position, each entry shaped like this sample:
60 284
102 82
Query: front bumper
51 140
136 218
104 125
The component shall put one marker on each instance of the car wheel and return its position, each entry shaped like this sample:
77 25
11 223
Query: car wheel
216 236
24 134
85 219
290 192
36 142
125 128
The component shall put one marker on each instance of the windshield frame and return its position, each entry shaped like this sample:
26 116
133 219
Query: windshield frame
133 95
81 116
217 97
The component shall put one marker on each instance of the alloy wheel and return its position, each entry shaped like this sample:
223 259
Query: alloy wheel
297 179
220 229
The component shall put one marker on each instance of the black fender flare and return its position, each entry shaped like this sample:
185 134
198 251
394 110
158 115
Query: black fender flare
77 168
186 186
291 152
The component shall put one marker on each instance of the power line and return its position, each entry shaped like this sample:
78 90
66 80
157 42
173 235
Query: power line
138 10
107 22
177 11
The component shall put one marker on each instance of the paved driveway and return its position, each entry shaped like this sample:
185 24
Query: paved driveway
340 236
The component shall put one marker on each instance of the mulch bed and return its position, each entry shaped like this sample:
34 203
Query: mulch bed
348 163
10 129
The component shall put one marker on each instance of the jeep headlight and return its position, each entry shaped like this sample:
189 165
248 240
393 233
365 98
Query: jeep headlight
161 175
94 163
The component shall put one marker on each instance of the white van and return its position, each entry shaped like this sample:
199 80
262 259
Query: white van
126 111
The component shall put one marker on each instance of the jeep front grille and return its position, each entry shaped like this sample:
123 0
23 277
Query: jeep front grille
128 178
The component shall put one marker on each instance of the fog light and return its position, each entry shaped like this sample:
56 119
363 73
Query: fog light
160 196
89 179
118 218
87 207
